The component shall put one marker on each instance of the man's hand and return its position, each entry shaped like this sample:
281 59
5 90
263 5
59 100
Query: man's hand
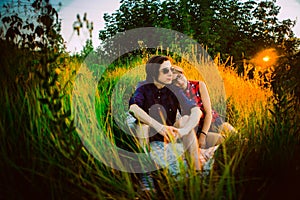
170 133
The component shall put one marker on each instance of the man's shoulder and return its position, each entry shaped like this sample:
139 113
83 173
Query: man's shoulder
145 86
140 83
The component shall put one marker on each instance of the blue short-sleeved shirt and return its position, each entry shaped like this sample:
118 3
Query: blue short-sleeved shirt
161 104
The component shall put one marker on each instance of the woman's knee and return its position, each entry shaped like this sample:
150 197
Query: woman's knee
213 139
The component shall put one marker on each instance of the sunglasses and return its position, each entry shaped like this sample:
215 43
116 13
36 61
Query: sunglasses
167 70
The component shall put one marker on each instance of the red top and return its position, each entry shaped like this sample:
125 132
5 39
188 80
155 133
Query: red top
192 92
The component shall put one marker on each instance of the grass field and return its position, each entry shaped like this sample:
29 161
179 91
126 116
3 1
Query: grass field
43 156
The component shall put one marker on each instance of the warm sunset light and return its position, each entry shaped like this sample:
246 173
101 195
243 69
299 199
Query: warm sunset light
265 59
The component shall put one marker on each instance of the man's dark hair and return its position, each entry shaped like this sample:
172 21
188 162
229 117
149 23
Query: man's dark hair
152 67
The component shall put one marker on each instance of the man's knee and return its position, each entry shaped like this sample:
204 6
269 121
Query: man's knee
181 122
190 140
142 130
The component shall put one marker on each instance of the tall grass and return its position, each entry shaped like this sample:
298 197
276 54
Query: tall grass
40 160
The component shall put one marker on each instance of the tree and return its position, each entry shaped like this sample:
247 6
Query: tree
131 14
35 27
230 27
31 39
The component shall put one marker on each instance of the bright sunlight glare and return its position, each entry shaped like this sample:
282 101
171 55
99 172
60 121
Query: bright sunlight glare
265 59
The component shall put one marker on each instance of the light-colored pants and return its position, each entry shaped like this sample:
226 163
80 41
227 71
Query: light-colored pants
189 141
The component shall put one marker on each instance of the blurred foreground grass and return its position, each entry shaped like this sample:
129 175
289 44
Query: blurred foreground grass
43 157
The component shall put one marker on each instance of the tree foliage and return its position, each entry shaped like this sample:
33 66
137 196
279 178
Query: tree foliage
230 27
31 38
36 27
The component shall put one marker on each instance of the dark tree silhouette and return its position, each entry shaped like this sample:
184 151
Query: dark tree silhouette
230 27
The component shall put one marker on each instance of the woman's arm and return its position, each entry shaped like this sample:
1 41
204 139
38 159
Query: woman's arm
207 106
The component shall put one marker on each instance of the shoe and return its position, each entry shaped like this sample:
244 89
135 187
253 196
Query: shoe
147 183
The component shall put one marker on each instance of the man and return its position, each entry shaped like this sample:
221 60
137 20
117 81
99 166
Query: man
155 103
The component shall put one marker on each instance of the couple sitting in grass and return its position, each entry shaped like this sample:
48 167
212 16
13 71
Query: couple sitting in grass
158 126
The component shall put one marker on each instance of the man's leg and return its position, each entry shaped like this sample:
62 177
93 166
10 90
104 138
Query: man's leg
190 143
142 133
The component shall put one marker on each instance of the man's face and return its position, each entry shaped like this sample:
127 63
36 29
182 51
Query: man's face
165 73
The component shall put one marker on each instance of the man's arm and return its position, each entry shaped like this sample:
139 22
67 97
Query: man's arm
142 116
192 121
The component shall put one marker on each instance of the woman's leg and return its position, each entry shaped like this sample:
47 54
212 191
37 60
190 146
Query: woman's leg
213 139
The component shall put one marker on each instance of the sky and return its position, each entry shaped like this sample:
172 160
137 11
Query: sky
95 10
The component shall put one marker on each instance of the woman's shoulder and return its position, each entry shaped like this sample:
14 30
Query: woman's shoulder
202 83
196 83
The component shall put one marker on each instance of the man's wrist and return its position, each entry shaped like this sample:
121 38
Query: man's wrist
157 126
160 128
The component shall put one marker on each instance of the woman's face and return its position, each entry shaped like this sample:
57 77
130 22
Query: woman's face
179 80
165 73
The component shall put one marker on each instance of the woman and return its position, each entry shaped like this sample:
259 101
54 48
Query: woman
209 124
